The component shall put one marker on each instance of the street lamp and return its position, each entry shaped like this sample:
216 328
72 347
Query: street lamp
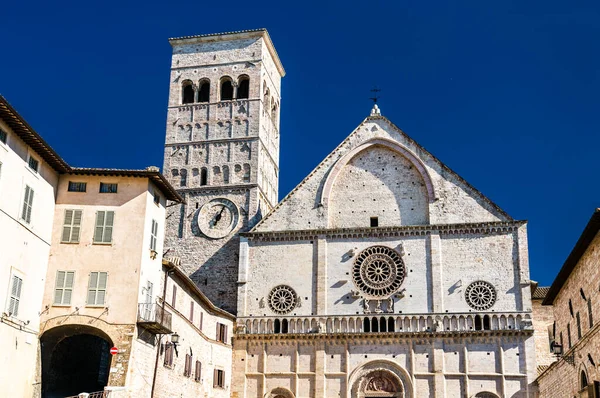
557 350
175 339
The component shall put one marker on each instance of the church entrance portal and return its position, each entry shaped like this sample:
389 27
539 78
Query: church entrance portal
379 384
75 359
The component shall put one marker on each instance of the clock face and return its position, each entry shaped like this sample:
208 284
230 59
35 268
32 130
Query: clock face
218 218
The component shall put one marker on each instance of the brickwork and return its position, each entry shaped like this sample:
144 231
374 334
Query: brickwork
563 379
218 147
543 319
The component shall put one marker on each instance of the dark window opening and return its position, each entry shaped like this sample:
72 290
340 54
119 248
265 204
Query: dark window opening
478 323
382 324
486 322
203 176
569 334
108 188
374 325
584 381
590 314
366 325
374 221
390 326
33 164
571 308
226 90
77 186
183 181
243 89
204 92
578 326
277 326
582 293
188 94
284 326
3 136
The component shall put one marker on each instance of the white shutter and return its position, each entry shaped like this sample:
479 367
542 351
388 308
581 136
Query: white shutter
15 295
101 295
64 287
108 226
27 204
76 229
99 230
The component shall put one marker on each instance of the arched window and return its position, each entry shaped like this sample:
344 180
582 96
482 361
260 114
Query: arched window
203 176
188 92
284 326
382 324
183 174
478 325
266 97
390 327
226 89
276 326
486 322
274 111
243 87
583 380
204 91
366 325
374 325
225 174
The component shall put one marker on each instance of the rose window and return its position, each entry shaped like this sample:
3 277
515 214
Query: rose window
480 295
282 299
378 272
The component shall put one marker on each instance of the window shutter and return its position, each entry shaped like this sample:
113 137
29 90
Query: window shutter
91 300
215 378
30 205
191 311
201 319
27 204
224 333
108 229
70 276
76 226
218 332
15 295
102 276
174 296
58 291
100 215
66 235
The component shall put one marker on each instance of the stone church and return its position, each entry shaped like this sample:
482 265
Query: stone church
382 274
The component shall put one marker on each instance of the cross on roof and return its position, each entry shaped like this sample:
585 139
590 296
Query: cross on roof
375 97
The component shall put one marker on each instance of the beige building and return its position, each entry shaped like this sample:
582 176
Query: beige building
29 170
575 300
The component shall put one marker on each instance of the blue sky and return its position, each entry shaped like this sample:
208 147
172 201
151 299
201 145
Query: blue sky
505 93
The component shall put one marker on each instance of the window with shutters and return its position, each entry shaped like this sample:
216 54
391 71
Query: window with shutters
187 370
15 295
108 188
34 164
201 319
104 226
198 371
77 186
153 235
219 378
221 333
168 359
192 311
71 226
156 198
3 136
174 299
97 288
63 290
27 204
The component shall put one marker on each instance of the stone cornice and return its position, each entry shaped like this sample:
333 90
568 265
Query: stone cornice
209 141
219 188
485 228
383 338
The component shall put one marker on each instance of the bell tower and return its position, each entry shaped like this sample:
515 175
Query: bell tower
221 151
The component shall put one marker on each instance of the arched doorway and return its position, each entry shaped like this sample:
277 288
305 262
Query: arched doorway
486 394
75 359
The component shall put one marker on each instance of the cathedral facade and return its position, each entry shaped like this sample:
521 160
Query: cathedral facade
382 274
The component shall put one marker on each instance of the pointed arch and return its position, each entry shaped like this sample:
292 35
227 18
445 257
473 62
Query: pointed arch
386 143
394 372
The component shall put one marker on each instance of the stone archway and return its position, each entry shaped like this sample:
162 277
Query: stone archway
380 379
75 359
280 392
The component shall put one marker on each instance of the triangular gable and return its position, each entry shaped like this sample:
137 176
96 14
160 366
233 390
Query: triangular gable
452 200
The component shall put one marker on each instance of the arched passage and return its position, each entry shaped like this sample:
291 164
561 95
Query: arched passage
75 359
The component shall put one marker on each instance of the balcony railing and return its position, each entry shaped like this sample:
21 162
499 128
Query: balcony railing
386 323
155 318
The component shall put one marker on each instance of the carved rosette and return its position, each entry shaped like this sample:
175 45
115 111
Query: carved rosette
378 272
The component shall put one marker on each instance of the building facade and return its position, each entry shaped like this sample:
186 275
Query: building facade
29 170
575 300
221 151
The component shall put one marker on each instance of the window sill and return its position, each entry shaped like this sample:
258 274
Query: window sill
62 305
97 306
69 243
35 173
102 243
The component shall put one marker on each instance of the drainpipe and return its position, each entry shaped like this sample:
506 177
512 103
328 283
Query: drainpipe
164 297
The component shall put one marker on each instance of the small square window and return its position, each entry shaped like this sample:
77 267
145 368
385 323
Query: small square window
156 198
108 188
77 186
34 164
3 136
374 221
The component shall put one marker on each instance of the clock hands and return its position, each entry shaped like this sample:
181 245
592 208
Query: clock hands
218 216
